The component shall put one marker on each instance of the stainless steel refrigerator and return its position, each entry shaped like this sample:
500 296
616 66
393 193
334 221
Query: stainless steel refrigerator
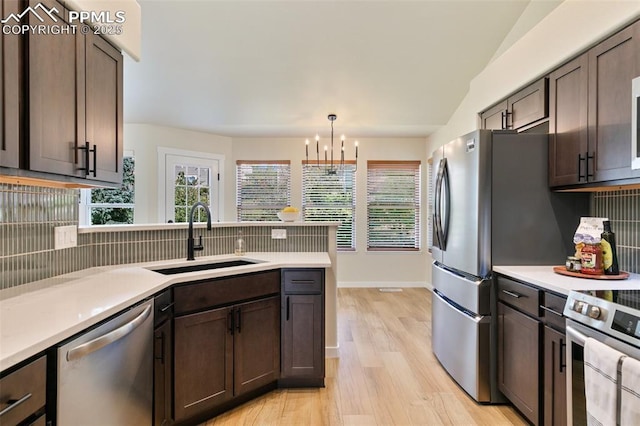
492 206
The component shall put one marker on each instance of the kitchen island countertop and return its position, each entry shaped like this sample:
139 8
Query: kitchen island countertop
545 278
39 315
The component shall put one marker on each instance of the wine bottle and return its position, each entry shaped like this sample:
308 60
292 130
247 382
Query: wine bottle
609 250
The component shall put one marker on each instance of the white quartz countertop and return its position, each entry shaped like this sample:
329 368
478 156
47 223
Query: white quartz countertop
39 315
544 277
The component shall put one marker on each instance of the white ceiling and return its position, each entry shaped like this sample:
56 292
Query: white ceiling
277 68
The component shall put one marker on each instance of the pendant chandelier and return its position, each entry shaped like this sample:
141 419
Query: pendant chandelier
330 167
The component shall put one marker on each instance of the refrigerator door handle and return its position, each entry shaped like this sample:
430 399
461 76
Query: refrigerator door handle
446 202
438 208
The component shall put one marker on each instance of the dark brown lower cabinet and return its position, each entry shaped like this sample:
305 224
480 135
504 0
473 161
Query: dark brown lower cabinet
256 344
303 351
203 363
223 353
555 378
302 327
519 376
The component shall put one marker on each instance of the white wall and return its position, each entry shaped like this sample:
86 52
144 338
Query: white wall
572 27
145 139
357 268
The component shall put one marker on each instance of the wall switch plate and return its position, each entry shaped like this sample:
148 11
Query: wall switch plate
279 234
66 236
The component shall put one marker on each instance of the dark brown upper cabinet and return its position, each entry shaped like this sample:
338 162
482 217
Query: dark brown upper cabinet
568 86
519 110
590 113
9 91
72 96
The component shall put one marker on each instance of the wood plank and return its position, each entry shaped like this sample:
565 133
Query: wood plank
386 374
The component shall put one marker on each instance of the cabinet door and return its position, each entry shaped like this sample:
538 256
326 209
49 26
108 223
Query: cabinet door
203 362
568 123
612 65
528 105
518 361
256 344
555 378
103 115
495 118
56 98
303 337
162 370
9 91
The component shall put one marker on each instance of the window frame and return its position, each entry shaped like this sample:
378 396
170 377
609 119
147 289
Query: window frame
166 157
85 205
415 205
322 166
286 164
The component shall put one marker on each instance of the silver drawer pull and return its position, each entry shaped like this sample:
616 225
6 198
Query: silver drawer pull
550 310
13 404
512 294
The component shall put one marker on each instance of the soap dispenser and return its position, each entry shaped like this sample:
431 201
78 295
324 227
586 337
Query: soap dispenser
239 248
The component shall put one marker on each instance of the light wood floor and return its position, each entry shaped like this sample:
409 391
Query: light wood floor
386 374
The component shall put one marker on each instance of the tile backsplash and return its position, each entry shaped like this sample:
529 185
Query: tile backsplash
623 210
28 216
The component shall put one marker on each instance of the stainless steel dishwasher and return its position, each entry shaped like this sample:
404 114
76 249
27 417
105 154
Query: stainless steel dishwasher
105 376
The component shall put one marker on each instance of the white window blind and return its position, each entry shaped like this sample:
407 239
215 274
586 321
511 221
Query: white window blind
331 198
393 205
262 189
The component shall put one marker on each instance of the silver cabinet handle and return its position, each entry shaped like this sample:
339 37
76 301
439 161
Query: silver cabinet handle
576 336
512 294
544 308
13 404
106 339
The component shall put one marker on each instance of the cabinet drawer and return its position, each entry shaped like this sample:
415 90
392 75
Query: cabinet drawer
224 291
519 295
163 307
303 281
28 380
552 309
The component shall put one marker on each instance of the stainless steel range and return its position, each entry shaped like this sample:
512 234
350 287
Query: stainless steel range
611 317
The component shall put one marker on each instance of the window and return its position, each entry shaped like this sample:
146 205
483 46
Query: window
331 197
191 184
188 177
110 206
262 189
393 205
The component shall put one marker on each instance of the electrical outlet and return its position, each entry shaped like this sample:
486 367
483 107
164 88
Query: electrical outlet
66 236
279 234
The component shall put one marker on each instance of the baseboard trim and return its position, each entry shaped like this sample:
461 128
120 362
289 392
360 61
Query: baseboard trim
384 284
332 351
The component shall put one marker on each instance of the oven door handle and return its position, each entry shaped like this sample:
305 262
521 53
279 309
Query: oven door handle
576 336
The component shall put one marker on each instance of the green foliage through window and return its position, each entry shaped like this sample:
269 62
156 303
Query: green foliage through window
192 184
331 198
115 206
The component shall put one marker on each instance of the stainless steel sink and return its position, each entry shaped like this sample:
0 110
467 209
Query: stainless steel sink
204 266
